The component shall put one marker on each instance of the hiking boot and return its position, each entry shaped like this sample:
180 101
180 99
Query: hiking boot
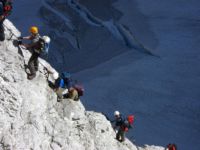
2 36
27 69
59 99
31 76
121 140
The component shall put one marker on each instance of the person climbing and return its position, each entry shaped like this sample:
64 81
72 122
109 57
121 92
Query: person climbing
122 125
119 121
62 84
34 37
37 48
171 147
5 10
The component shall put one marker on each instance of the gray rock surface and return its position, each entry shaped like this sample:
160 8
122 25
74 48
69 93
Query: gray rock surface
32 119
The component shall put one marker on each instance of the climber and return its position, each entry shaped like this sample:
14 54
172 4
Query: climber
34 37
62 84
37 48
171 147
5 10
122 125
65 87
119 121
75 90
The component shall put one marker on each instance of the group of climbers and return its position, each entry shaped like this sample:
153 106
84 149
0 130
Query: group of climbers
39 45
63 85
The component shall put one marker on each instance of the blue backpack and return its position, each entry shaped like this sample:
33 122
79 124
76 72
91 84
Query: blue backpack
62 83
66 76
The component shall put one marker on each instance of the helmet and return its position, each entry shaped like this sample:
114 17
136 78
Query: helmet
33 29
55 75
116 113
46 39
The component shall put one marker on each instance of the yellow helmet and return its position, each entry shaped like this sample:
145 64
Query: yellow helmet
33 29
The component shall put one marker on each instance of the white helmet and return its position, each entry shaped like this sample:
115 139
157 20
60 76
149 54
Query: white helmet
46 39
116 113
55 75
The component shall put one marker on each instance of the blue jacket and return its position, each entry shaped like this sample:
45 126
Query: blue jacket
63 83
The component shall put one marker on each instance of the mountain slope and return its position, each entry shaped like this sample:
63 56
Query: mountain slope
31 117
163 93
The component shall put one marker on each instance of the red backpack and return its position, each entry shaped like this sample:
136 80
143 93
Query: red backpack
7 7
171 147
127 123
130 119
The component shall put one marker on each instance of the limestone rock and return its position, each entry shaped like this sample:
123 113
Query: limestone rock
31 117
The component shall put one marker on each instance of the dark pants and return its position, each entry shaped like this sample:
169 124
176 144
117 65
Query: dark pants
33 63
2 35
120 135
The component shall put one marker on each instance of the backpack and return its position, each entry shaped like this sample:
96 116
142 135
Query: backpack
7 7
127 123
79 89
42 47
130 119
45 47
61 83
66 76
39 46
47 41
171 147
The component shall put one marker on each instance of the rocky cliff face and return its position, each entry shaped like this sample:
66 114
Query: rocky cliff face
31 117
